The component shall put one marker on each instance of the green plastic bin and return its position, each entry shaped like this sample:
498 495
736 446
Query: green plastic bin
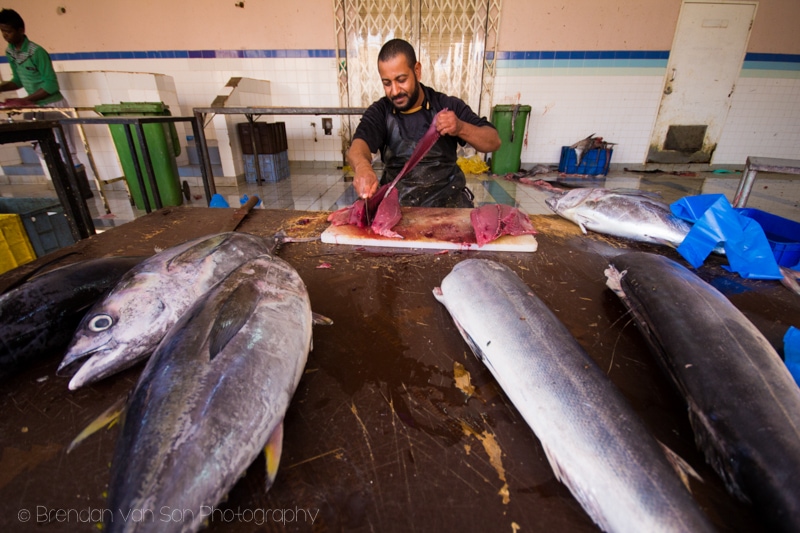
507 158
162 143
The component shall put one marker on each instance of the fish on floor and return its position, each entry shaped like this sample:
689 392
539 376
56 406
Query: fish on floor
743 404
594 441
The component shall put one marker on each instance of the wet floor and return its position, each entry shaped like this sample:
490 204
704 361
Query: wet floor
328 190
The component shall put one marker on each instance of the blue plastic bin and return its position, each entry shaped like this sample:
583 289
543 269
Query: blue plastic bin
783 235
594 162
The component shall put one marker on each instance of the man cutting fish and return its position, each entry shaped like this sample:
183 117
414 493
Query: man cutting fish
395 124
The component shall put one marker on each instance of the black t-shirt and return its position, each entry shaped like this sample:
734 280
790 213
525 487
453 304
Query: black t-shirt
372 128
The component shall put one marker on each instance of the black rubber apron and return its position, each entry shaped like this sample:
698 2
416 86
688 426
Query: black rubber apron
436 181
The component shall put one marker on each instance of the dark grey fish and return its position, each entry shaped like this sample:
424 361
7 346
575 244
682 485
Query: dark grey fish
743 404
38 317
596 444
211 396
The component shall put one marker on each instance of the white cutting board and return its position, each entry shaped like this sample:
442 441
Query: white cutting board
429 227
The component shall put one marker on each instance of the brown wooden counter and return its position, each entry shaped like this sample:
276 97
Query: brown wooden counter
380 435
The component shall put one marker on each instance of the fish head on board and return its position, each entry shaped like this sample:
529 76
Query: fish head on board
115 334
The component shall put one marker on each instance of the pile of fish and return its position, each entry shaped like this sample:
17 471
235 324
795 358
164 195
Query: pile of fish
211 397
127 325
744 405
630 214
594 441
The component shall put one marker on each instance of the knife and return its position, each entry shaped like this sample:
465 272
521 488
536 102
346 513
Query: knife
239 214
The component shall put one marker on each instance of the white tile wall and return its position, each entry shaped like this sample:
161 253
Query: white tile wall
565 109
764 121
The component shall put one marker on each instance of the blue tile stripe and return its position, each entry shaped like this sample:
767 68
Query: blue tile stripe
189 54
510 59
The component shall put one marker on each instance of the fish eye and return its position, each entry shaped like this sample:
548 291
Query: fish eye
100 323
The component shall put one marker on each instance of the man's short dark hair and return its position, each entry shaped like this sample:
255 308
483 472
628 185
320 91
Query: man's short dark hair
11 18
396 47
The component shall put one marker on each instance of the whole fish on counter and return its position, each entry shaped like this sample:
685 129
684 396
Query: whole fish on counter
744 406
627 214
210 398
594 441
39 317
127 325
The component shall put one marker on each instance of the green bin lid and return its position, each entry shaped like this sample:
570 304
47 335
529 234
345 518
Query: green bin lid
133 108
510 108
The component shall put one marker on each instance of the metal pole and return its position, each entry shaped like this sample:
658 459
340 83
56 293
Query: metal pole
137 168
148 165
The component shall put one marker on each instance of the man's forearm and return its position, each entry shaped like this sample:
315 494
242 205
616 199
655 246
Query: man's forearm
359 155
8 86
483 139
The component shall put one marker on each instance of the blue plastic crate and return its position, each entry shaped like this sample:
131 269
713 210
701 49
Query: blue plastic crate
44 220
783 235
594 162
274 167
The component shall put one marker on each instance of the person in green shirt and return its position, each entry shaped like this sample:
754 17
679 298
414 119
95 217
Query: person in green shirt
32 70
31 67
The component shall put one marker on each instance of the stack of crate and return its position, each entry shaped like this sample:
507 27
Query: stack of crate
271 148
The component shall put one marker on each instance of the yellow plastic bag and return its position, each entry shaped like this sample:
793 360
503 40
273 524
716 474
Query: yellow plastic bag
472 165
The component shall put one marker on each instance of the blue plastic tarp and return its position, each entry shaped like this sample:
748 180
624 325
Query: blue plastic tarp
791 352
716 223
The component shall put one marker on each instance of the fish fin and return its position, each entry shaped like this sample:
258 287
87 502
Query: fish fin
107 418
662 242
200 250
272 453
681 467
580 222
581 493
321 320
234 312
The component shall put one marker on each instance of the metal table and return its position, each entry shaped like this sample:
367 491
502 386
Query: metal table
49 135
753 166
251 113
379 436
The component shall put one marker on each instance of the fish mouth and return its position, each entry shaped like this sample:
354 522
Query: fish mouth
72 363
70 367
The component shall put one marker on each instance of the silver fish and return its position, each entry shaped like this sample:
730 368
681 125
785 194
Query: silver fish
595 443
630 215
210 398
127 325
743 404
38 317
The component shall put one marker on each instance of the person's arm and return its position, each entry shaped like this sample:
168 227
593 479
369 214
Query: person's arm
482 138
359 157
8 86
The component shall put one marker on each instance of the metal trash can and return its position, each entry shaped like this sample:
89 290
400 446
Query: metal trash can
162 143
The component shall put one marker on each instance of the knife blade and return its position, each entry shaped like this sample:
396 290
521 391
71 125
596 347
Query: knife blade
238 215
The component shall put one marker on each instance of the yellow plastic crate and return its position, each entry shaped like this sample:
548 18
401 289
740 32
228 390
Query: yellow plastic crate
15 247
